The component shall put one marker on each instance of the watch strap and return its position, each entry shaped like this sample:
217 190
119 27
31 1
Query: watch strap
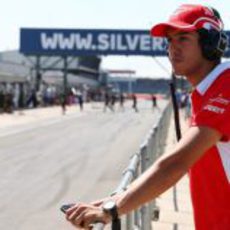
112 211
116 224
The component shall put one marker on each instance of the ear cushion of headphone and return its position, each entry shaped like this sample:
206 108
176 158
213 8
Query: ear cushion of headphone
209 41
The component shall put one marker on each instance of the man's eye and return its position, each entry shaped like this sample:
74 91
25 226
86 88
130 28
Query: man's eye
183 38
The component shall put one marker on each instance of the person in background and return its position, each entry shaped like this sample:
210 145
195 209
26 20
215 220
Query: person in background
122 100
81 101
134 98
154 101
107 101
196 43
63 102
113 102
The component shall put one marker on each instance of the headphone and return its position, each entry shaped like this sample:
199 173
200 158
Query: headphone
213 42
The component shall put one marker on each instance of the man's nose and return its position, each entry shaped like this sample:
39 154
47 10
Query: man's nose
173 48
174 45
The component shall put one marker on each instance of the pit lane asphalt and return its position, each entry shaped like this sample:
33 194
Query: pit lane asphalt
48 160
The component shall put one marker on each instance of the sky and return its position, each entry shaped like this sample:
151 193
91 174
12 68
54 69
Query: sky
98 14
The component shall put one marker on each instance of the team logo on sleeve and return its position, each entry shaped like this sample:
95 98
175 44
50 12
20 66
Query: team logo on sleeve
217 104
219 99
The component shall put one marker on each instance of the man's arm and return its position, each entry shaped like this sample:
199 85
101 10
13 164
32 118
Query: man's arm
158 178
168 169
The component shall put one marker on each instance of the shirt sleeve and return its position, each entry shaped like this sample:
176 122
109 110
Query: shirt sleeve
215 113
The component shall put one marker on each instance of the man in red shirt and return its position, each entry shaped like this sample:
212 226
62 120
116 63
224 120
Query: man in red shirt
196 44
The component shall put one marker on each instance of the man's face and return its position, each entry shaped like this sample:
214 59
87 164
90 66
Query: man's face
185 52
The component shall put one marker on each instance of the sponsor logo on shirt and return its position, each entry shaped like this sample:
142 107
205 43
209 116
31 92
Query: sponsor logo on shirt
214 109
220 100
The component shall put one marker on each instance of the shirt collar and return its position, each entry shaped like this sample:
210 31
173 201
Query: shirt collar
203 86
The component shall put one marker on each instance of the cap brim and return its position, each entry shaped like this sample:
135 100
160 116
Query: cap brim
161 30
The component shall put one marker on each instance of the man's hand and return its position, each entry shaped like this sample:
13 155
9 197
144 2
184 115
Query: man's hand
83 216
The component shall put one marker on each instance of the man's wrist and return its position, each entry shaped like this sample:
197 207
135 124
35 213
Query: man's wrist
110 208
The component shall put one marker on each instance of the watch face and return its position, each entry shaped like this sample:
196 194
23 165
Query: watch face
109 205
111 208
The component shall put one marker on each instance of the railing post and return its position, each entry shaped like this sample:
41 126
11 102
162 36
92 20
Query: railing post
129 221
145 212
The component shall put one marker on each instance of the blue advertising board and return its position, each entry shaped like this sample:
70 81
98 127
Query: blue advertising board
77 42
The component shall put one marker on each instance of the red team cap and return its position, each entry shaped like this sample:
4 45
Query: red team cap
188 18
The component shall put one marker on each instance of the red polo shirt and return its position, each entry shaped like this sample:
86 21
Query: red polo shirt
210 176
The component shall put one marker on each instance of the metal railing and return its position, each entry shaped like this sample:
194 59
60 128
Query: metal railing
151 148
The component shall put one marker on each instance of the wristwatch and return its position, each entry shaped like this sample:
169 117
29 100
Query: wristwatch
111 208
